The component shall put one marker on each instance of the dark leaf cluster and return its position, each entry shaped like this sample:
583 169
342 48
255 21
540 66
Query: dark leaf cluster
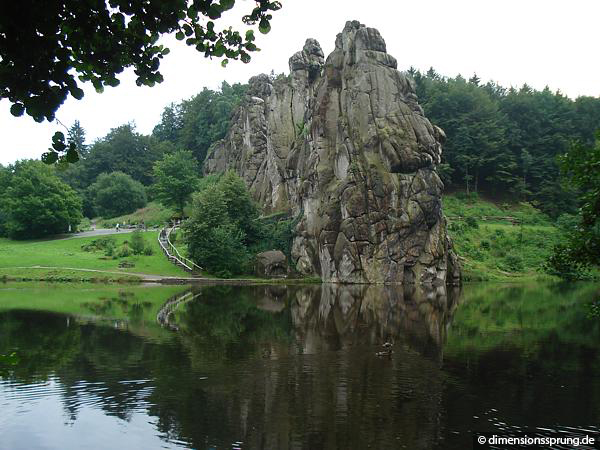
47 49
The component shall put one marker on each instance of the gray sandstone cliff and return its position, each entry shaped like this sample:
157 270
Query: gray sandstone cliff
345 148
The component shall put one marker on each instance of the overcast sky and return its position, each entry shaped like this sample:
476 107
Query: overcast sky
538 42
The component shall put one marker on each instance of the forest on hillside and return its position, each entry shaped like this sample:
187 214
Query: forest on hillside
503 143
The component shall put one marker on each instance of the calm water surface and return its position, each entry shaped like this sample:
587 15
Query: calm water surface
277 367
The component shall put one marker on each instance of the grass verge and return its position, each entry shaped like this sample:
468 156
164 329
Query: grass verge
66 254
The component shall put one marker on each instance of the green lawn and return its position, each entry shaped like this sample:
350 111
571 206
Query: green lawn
67 253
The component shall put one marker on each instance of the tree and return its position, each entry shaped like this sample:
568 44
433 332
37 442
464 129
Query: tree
117 193
488 127
580 168
4 184
175 179
77 136
123 149
45 49
213 241
197 123
241 209
36 203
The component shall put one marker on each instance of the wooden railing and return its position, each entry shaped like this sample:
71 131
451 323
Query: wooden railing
171 251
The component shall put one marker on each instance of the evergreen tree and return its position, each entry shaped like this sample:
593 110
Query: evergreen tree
77 135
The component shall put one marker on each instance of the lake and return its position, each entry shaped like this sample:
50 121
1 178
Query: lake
294 367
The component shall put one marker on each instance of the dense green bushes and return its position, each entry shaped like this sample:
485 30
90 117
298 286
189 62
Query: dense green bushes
224 230
117 193
34 202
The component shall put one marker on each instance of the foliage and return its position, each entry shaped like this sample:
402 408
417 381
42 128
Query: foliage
241 209
477 207
199 122
122 150
152 215
77 136
496 249
275 235
225 229
45 51
471 222
506 140
125 251
35 202
175 179
104 244
117 193
139 246
563 263
581 248
213 238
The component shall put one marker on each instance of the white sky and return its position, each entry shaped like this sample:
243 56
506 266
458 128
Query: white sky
538 42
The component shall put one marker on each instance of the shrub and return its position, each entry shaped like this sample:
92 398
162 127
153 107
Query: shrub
100 244
485 245
220 250
222 226
124 251
567 222
513 262
138 243
561 263
471 222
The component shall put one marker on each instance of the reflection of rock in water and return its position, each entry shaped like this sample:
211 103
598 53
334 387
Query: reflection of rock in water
326 389
331 392
335 317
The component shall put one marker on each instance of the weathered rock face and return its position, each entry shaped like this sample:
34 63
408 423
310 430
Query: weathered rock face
343 145
271 264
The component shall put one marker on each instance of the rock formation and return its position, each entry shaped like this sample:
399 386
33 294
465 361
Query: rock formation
345 148
271 264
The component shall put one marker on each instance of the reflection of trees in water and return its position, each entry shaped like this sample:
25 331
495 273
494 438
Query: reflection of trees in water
126 303
235 373
533 355
294 366
92 365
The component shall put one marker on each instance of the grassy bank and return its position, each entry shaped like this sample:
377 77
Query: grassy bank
62 256
152 215
499 242
65 275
